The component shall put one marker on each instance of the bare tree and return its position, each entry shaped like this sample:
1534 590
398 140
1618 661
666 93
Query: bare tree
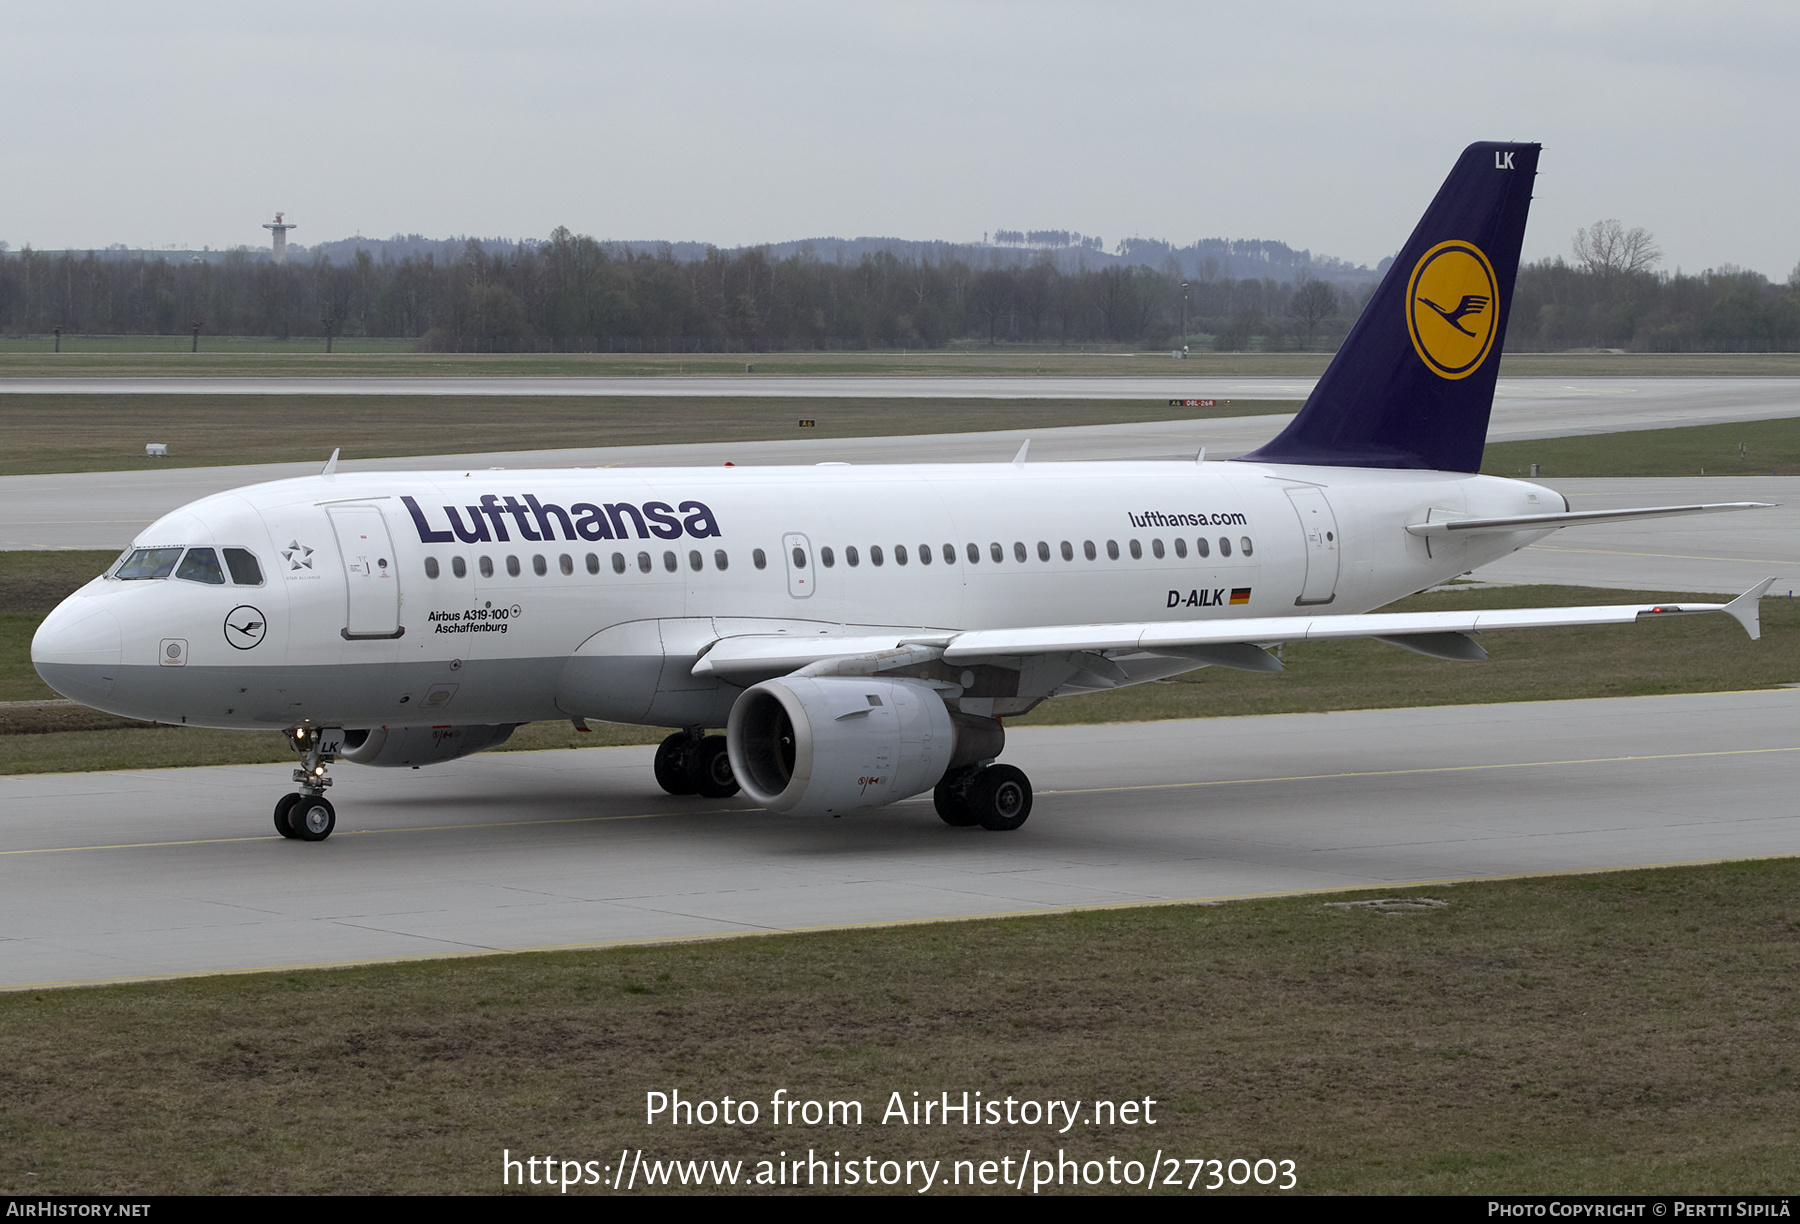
1607 248
1313 302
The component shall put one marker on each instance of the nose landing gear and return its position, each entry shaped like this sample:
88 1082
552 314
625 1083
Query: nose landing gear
307 815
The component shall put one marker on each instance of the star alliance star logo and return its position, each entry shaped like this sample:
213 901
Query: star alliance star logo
298 555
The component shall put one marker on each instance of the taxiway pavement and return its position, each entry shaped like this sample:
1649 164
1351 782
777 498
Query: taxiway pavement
112 876
1571 402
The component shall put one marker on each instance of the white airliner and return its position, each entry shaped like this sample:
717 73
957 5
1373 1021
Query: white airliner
859 632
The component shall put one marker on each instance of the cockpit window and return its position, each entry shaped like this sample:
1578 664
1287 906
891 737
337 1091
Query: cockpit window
201 565
244 569
149 563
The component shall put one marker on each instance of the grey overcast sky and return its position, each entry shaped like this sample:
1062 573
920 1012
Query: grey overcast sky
1323 125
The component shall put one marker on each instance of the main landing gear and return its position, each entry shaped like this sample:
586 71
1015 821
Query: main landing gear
693 763
996 797
306 814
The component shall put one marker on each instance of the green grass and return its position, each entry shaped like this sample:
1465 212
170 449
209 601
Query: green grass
1770 448
88 433
1678 655
250 356
1627 1033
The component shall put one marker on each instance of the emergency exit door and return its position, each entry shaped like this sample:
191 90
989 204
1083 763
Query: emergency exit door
1318 527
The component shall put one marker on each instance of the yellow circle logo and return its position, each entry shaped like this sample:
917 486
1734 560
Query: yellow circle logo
1452 305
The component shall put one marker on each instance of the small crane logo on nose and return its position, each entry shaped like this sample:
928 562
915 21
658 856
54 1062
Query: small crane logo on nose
245 626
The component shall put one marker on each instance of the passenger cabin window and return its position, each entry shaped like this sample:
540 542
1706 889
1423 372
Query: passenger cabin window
538 565
1112 549
566 563
1224 546
1245 544
1156 548
487 567
899 554
459 567
874 554
512 566
850 557
924 554
1087 549
1181 548
643 563
593 563
827 558
243 566
149 563
1019 551
431 567
618 563
201 565
759 559
1202 547
721 560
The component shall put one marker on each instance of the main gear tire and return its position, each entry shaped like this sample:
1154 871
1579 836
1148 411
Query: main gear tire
671 764
1001 798
709 769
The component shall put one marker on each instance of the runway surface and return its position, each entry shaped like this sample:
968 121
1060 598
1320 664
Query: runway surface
169 872
1572 400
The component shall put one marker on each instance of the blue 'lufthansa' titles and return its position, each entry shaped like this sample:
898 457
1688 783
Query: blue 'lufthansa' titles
535 520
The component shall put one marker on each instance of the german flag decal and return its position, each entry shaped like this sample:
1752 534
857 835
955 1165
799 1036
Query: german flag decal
1240 595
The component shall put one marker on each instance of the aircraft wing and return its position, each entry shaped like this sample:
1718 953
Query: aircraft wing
1533 522
1227 643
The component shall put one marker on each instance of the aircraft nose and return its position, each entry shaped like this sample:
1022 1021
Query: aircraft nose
78 648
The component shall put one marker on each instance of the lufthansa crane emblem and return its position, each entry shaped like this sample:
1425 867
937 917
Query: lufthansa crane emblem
1452 308
245 626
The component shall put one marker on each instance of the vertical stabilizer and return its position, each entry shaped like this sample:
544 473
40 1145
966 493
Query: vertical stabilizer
1414 381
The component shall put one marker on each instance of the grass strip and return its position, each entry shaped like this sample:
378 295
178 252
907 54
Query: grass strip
1743 448
1624 1033
92 433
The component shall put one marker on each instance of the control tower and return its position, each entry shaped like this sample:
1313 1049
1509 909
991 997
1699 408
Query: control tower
280 229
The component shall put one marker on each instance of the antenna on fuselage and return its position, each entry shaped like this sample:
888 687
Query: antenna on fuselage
331 463
1019 459
1201 457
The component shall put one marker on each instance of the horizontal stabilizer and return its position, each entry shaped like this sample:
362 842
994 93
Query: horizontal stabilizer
1539 522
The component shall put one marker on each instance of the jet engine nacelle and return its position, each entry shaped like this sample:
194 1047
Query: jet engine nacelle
397 747
825 745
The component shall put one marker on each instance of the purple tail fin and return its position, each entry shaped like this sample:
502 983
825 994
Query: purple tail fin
1414 381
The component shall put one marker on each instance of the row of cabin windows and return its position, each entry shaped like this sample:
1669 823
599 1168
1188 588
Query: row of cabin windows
997 552
540 565
696 560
